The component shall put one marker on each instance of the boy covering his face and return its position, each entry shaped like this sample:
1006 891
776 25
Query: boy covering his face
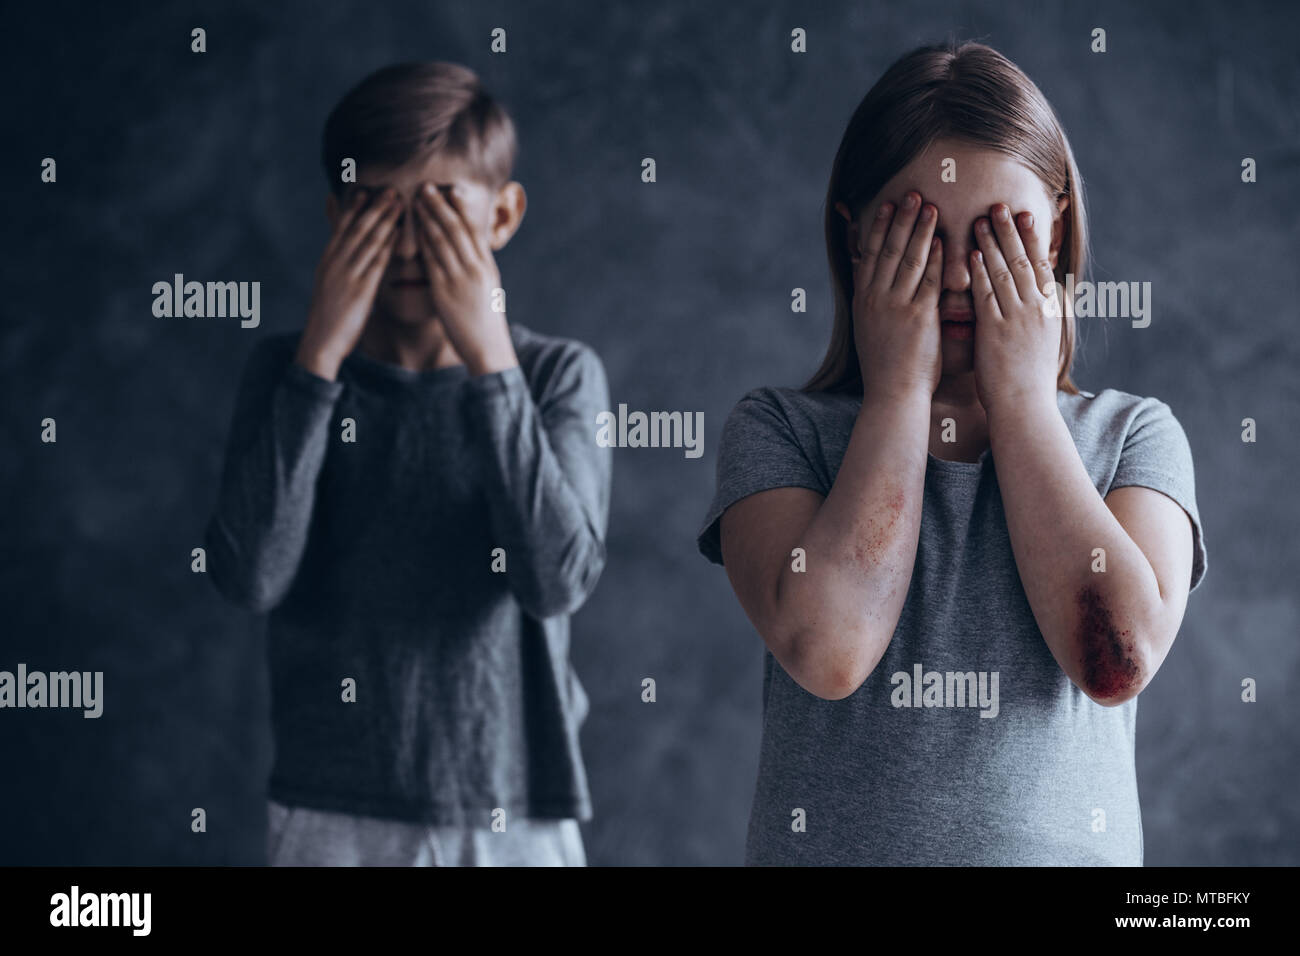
412 491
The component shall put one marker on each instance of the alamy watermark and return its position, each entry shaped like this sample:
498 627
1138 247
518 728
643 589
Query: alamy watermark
57 689
181 299
1103 300
652 430
923 688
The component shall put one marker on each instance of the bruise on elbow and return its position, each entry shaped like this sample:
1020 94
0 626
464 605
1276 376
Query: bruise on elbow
1110 665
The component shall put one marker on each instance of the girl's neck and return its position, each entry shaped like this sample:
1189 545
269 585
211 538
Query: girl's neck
957 415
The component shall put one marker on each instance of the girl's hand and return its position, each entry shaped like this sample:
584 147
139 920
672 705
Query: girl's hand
1017 325
462 278
896 281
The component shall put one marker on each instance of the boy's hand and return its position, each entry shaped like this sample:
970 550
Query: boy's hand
462 277
347 278
1017 325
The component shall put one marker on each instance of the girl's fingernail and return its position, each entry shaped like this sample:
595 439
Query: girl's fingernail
885 210
1029 220
983 226
927 213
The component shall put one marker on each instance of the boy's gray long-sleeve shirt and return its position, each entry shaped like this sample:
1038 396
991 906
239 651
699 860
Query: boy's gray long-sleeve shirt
375 558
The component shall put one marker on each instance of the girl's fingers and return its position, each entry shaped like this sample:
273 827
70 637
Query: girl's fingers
1036 247
915 257
871 245
932 280
1013 252
994 264
896 240
981 287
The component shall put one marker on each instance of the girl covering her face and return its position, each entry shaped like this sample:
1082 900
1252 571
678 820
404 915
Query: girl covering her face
964 569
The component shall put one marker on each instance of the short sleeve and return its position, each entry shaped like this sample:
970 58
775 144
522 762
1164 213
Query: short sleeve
758 450
1156 455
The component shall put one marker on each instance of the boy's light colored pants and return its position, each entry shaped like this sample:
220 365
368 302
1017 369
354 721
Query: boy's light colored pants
302 836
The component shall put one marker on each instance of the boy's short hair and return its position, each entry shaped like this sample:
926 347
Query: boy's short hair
410 111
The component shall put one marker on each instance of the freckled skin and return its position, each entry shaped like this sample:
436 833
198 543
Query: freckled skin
1108 665
867 551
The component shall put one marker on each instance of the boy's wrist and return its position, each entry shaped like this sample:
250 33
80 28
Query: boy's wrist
318 362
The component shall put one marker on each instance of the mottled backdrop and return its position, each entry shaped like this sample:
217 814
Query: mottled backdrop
207 165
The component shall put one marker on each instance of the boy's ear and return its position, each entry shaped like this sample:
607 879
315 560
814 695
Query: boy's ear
507 213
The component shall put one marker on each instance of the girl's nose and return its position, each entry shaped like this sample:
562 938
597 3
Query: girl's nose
956 268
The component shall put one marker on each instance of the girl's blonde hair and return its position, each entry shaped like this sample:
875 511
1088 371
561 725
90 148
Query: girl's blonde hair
968 92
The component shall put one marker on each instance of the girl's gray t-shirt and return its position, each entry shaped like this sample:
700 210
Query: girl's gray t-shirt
952 765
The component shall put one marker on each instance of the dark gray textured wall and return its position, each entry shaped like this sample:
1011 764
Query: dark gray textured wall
207 165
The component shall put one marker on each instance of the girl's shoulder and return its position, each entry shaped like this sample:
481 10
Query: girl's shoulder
1113 417
809 413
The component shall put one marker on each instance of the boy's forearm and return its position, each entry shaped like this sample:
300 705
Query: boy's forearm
1057 522
547 495
258 530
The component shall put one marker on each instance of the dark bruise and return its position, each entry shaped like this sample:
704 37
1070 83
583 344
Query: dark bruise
1108 665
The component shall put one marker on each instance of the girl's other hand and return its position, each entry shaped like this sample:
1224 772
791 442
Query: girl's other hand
1017 324
896 282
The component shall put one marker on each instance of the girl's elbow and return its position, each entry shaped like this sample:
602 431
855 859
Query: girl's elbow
824 671
1118 674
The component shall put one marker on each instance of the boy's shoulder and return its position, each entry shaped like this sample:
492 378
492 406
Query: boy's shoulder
546 359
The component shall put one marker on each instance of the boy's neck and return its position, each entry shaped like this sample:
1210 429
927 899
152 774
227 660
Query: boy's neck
417 347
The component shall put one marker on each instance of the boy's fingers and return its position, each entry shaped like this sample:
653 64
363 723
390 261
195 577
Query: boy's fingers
432 258
457 202
378 247
431 232
456 236
386 207
364 243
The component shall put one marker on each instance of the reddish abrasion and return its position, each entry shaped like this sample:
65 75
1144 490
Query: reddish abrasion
871 546
1109 669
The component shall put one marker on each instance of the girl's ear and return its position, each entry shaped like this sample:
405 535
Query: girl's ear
1058 230
850 232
